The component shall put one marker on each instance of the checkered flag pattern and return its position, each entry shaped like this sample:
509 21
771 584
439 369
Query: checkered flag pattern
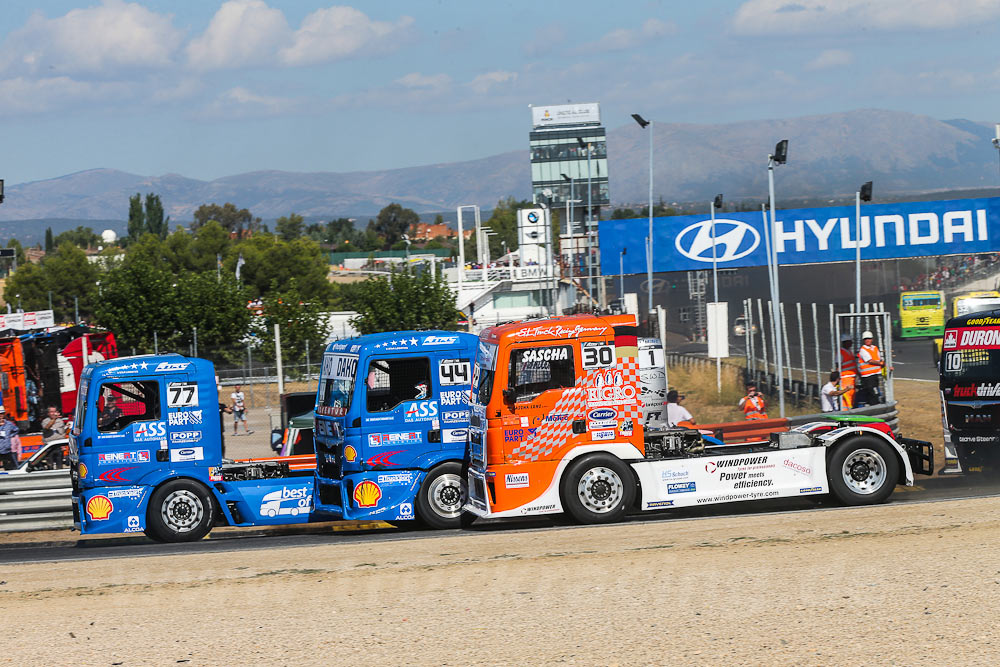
551 436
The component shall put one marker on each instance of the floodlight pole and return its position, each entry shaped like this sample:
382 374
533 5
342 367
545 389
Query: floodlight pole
715 286
643 123
776 292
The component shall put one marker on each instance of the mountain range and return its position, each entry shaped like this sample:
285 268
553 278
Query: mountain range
828 155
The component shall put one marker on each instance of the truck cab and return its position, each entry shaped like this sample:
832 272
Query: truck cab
146 456
391 425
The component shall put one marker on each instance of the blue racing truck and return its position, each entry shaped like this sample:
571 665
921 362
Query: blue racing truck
146 453
392 415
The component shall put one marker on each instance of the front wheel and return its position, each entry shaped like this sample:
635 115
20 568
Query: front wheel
863 470
441 497
597 489
180 511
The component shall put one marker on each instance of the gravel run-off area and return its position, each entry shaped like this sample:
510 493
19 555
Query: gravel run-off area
893 584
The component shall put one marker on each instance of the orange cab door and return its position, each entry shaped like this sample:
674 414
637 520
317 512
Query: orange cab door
539 400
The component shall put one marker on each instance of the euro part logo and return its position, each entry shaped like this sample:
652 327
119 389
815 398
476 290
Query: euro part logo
118 458
184 418
99 508
367 494
733 239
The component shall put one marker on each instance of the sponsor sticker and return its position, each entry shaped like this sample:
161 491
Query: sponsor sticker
603 435
455 397
133 493
517 480
560 353
950 339
440 340
185 418
653 504
602 414
811 489
117 458
168 366
396 478
681 487
350 454
367 494
405 510
286 501
134 525
147 431
187 454
669 475
556 418
454 435
185 436
387 439
453 416
99 508
517 434
422 410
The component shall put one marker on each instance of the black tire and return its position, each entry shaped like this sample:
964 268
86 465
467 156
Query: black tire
181 510
598 488
441 497
862 470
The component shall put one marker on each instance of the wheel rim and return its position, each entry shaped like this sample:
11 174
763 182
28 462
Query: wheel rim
600 490
445 495
182 511
864 471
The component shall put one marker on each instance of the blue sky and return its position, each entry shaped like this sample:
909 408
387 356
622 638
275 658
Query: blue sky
209 89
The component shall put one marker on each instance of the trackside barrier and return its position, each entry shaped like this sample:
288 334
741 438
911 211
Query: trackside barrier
759 429
36 501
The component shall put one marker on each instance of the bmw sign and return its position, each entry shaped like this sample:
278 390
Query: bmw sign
805 236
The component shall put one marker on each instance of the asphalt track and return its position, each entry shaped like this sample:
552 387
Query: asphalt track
927 489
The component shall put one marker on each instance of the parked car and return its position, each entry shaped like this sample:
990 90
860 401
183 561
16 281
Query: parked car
50 456
740 327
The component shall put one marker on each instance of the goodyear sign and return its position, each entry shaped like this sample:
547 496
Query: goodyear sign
805 235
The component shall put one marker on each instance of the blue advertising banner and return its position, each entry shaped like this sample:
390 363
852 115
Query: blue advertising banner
804 235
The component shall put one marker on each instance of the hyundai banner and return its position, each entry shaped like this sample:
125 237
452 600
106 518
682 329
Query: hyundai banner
805 235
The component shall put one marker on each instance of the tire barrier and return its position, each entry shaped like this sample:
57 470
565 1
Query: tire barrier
36 501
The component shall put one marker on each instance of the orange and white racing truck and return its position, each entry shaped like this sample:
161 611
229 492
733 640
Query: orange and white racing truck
556 425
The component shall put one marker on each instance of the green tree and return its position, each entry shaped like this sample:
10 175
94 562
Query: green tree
49 241
136 217
137 300
19 259
392 222
231 218
290 228
67 273
83 237
216 306
156 224
403 301
300 321
271 265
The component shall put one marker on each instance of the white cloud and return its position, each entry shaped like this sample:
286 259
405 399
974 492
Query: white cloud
249 32
769 17
830 58
621 39
415 80
114 35
338 32
242 32
240 102
482 83
21 95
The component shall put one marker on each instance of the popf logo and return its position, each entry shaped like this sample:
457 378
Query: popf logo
734 239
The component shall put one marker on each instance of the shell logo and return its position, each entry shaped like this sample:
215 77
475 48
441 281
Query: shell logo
350 454
367 494
82 470
99 508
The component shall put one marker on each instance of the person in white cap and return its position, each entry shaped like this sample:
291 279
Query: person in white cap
870 365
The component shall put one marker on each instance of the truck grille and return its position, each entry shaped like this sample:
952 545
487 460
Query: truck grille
477 490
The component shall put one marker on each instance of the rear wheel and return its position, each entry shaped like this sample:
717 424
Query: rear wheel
441 497
863 470
180 511
597 489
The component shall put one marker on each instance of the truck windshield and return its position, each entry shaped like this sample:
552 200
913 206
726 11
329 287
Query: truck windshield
482 377
975 305
81 406
337 383
971 365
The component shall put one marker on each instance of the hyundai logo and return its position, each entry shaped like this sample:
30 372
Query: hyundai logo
734 239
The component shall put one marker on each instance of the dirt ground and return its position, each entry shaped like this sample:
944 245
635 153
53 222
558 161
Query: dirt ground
897 584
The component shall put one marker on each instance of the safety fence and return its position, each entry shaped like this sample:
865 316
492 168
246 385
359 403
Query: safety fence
36 501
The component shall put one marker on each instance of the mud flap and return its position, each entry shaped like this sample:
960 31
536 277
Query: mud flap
921 455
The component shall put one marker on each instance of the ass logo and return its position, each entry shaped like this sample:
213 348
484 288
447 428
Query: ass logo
734 239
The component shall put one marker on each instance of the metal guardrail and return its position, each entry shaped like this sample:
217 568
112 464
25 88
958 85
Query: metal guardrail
36 501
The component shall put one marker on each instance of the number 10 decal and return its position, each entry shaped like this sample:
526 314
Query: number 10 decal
598 355
182 394
453 371
953 361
